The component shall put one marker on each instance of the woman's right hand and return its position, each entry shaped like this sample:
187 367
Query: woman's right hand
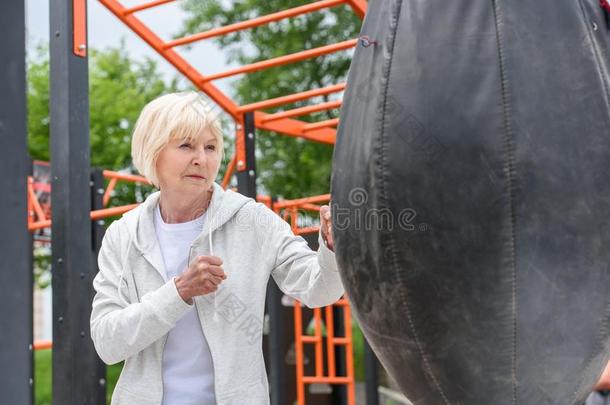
203 276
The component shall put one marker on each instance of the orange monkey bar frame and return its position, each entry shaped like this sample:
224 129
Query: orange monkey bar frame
287 126
255 22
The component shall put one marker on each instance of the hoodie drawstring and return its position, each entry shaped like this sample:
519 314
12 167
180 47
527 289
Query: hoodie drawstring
211 246
211 249
121 278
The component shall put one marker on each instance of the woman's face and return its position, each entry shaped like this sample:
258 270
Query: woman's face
189 167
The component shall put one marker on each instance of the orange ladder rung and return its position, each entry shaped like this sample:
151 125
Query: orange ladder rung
331 342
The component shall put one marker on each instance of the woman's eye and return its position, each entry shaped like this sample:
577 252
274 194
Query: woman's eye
185 145
211 147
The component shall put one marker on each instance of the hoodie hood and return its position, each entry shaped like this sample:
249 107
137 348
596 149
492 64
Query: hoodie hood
140 221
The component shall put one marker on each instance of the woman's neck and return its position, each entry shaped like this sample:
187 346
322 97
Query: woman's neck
176 208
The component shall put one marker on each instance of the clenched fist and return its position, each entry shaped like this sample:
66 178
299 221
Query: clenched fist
203 276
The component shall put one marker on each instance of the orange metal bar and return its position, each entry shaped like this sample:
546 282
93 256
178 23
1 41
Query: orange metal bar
255 22
309 339
109 174
359 7
45 188
293 218
33 199
303 111
322 124
294 128
283 60
42 344
31 212
109 190
311 229
110 212
39 225
334 380
310 207
115 177
301 201
230 168
317 315
145 6
94 215
292 98
298 347
79 28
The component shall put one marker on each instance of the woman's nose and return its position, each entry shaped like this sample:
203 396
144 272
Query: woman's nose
200 157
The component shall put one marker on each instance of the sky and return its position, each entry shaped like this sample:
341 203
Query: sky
106 30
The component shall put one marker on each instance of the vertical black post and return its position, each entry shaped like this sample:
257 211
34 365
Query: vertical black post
339 391
74 358
246 184
15 240
277 343
246 178
97 234
371 375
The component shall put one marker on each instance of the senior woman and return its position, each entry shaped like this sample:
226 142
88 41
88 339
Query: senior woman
182 278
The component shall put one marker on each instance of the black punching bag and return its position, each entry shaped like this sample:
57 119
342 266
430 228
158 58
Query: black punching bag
471 192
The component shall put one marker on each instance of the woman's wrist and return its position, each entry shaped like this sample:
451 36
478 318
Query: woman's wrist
182 291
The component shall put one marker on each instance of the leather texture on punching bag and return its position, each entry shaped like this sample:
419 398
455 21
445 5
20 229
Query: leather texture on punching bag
471 197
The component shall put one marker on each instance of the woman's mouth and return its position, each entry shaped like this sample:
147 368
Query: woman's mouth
196 177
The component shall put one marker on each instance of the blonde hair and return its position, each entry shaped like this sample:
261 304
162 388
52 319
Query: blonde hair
172 116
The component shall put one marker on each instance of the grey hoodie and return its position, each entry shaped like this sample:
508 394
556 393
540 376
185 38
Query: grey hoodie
135 305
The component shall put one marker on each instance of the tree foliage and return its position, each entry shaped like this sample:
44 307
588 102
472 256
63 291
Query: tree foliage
287 167
119 87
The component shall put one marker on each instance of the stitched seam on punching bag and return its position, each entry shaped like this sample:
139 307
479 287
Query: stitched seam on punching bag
510 174
604 327
596 55
384 197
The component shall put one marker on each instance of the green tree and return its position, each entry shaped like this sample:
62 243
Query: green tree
119 87
287 167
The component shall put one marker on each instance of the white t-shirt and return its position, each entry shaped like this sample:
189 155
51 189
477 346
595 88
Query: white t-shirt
188 371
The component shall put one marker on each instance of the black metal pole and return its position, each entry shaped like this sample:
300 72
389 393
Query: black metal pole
98 229
15 240
277 378
74 358
371 375
246 184
277 342
246 178
339 391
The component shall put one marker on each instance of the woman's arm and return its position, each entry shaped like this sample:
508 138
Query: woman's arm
311 277
121 329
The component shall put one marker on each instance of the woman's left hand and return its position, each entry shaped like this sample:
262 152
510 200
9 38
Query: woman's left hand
326 226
